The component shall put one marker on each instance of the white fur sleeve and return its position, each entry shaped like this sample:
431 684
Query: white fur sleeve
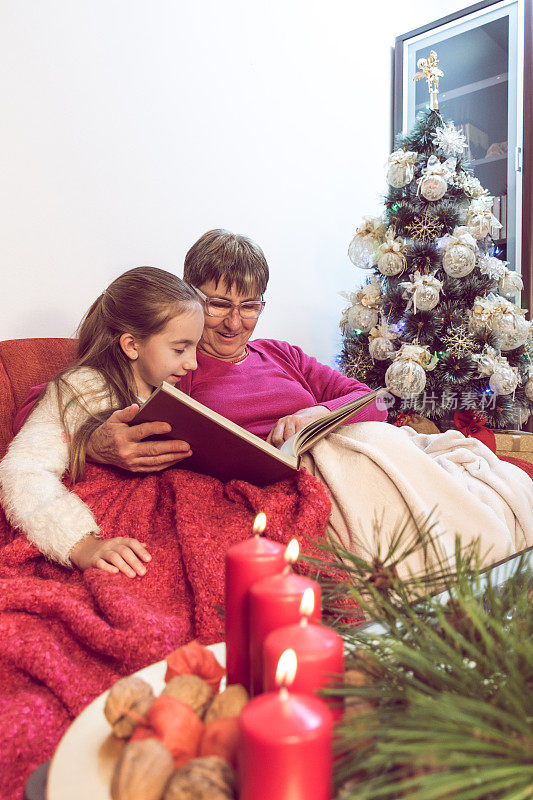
34 498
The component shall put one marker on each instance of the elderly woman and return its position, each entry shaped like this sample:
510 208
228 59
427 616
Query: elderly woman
269 387
377 475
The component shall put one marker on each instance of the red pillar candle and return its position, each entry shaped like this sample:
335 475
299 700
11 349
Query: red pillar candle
246 563
285 746
274 603
319 650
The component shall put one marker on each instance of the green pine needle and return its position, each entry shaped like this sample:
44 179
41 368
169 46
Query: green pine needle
447 688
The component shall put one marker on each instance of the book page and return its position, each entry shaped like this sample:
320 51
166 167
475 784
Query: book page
302 441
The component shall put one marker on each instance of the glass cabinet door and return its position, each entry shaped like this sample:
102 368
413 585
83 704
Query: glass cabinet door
479 92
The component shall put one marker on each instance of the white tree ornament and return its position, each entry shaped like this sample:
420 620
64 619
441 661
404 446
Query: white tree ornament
406 376
401 168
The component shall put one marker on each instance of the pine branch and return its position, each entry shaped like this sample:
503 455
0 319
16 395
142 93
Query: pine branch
440 703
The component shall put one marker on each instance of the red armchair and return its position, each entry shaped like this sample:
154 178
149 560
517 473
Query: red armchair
25 363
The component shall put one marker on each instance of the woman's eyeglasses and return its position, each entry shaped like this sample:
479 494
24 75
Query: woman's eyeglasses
220 307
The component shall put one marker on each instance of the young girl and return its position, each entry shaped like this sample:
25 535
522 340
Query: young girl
142 330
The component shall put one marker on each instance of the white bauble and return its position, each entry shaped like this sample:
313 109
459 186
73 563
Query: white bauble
528 388
362 251
380 348
391 263
425 298
405 379
361 318
433 187
399 175
503 381
459 260
510 284
512 331
478 226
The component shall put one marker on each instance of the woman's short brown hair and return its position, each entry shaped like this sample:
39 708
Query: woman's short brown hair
230 257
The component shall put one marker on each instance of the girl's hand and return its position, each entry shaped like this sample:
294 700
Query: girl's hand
288 426
120 554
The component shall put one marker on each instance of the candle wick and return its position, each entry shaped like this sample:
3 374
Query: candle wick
304 621
284 693
287 570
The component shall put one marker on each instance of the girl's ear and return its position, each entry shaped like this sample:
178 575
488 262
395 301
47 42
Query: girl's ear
129 346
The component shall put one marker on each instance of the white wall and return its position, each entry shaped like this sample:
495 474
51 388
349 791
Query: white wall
130 127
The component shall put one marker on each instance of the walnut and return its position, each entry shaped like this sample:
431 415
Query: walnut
142 771
228 703
192 690
208 778
127 702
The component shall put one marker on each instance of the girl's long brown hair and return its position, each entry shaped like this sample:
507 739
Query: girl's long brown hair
140 301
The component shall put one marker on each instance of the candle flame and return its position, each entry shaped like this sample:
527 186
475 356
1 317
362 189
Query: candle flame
292 551
286 669
260 522
307 603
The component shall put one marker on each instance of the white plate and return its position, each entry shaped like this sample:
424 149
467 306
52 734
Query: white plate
83 763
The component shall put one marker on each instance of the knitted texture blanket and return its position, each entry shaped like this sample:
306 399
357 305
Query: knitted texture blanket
65 636
391 476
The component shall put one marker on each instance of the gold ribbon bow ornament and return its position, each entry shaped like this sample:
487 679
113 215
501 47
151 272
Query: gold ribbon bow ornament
380 340
401 168
406 376
391 259
362 249
422 291
487 312
501 317
363 315
480 220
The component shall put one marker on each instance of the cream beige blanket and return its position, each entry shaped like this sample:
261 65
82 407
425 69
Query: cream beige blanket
377 471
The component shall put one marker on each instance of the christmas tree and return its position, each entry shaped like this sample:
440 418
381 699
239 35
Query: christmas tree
436 323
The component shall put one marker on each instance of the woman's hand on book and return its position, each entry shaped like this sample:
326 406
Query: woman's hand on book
288 426
120 554
116 442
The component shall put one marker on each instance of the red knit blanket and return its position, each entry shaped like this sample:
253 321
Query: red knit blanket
65 636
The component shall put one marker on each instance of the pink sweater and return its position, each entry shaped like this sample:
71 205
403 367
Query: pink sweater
277 379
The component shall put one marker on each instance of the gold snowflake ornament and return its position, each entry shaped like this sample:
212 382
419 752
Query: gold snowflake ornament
460 341
424 227
357 366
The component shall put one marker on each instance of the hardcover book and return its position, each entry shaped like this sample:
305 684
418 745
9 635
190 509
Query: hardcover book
226 451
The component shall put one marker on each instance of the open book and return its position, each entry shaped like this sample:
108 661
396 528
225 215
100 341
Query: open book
225 450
